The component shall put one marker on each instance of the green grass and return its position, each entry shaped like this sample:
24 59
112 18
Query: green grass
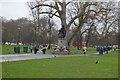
49 50
0 70
76 51
64 67
0 49
9 49
6 49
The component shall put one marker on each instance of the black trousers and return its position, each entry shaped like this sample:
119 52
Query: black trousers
43 51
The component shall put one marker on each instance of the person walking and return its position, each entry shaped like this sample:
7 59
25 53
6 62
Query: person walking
84 50
44 49
35 50
101 50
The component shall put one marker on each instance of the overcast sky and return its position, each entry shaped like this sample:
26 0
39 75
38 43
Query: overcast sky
13 9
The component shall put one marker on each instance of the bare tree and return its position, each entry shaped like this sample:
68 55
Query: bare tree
107 19
60 12
81 14
87 17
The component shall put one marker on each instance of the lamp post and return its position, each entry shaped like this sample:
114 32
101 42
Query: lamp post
50 17
19 35
17 49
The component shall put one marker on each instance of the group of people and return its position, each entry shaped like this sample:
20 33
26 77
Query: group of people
36 49
100 49
84 50
104 49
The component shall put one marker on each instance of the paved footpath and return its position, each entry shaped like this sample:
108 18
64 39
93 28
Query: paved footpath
28 56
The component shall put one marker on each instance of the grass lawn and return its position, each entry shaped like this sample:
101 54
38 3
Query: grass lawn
0 70
89 50
0 49
9 49
64 67
74 50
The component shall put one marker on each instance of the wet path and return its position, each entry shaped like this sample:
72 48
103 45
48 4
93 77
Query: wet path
28 56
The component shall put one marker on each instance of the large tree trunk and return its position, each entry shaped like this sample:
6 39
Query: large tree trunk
63 21
80 40
119 26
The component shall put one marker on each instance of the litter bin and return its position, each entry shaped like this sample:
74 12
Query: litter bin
18 49
25 49
15 49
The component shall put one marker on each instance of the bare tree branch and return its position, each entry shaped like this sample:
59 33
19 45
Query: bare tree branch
58 10
72 20
58 2
68 3
49 13
54 7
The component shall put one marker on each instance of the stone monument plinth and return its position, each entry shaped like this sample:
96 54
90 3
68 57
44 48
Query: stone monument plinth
61 48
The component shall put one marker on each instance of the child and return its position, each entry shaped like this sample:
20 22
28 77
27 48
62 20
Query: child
84 50
44 49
